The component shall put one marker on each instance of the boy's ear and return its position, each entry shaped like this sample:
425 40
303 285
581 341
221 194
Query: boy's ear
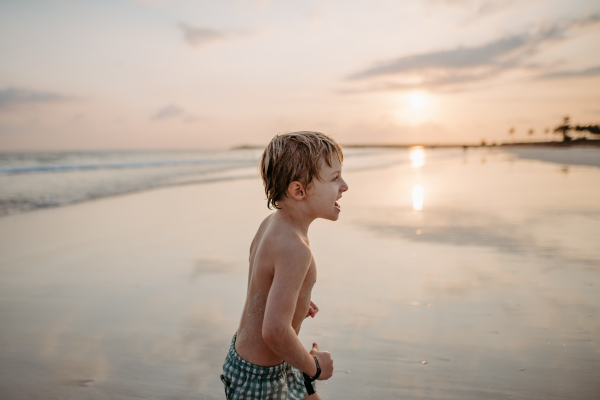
296 191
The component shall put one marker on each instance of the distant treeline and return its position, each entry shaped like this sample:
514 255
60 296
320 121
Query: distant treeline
570 132
565 128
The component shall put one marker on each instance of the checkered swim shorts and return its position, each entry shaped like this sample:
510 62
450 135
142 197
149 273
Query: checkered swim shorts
245 381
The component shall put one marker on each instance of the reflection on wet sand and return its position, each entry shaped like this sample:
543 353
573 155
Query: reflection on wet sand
209 266
505 260
417 195
417 156
488 291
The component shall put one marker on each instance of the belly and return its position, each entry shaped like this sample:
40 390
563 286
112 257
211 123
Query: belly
249 343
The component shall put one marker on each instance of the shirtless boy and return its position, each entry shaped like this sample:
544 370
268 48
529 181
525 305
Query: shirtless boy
302 175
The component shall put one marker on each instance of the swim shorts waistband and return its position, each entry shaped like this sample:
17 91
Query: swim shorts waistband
265 372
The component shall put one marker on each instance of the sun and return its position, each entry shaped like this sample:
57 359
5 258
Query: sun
417 101
415 107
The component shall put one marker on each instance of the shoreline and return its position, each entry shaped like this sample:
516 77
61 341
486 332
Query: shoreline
554 144
576 155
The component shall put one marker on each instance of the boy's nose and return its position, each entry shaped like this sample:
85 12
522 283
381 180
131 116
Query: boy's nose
344 186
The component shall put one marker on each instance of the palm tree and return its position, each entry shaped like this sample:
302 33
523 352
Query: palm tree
564 129
592 129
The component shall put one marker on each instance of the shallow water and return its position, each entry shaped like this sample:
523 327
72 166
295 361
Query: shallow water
450 275
32 180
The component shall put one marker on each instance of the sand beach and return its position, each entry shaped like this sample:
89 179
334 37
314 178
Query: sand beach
451 274
465 264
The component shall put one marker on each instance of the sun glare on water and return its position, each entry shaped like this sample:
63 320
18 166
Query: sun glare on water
417 160
417 195
417 156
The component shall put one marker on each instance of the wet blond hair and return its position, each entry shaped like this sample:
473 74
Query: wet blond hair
295 156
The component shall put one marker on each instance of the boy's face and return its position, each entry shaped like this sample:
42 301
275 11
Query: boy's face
323 193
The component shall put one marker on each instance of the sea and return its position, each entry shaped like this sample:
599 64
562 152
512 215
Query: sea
32 180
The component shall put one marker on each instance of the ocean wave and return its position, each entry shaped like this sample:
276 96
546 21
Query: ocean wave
122 165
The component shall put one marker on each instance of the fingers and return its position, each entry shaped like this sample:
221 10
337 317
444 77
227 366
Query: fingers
313 309
325 362
311 312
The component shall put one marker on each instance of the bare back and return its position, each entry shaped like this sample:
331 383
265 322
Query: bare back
269 242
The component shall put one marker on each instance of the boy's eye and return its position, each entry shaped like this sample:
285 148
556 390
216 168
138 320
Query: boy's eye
336 178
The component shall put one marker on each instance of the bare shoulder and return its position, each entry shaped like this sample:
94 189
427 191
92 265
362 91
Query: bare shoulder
286 247
260 232
293 251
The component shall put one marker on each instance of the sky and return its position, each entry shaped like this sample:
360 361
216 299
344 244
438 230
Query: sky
187 74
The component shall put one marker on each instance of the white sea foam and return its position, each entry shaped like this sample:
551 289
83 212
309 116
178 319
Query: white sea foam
48 179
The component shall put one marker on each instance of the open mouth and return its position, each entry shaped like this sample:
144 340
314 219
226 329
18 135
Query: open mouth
337 206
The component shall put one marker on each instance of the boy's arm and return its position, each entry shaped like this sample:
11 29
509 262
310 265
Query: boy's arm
278 333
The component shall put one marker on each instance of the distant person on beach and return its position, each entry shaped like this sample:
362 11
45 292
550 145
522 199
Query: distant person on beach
302 175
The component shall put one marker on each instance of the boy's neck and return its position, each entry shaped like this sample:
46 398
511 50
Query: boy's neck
295 218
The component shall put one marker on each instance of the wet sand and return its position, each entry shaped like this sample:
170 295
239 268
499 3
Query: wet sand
566 156
462 276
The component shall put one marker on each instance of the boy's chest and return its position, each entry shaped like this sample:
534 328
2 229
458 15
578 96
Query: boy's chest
304 297
311 277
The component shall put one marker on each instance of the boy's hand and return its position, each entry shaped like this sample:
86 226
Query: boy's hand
325 362
312 310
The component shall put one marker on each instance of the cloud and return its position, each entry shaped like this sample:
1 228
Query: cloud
168 111
469 64
501 51
451 3
13 96
462 227
594 71
151 3
481 8
492 7
198 37
190 119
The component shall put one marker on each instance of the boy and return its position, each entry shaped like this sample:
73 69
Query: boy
302 175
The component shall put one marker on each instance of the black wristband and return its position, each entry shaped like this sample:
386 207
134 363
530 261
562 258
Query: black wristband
308 380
